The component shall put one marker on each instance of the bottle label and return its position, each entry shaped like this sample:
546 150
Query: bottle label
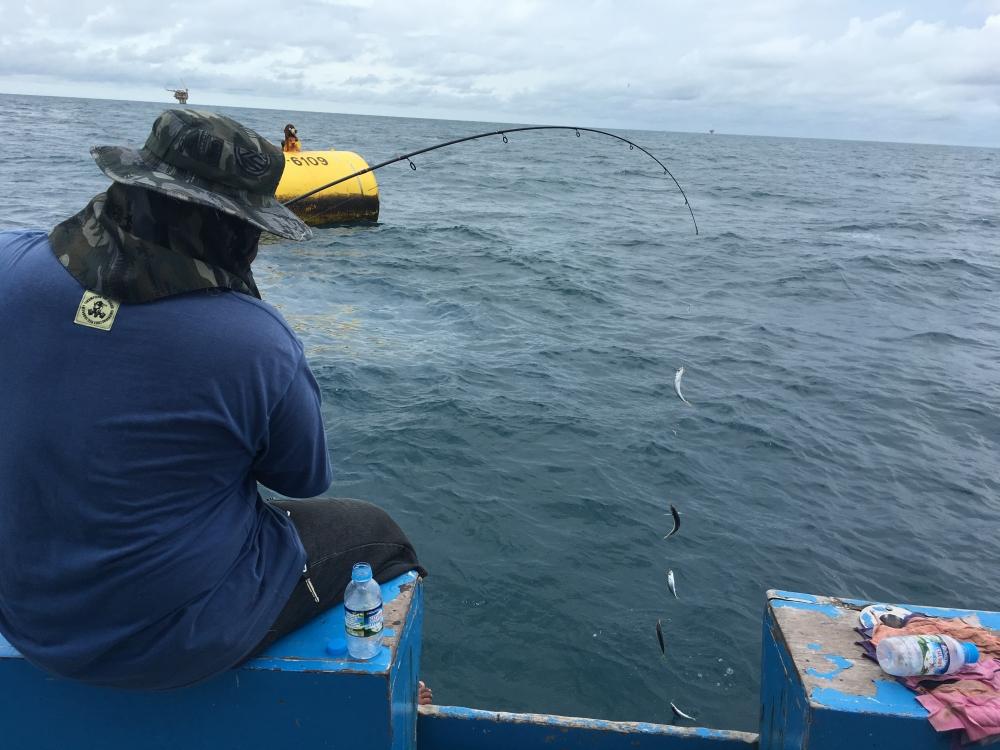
935 654
364 622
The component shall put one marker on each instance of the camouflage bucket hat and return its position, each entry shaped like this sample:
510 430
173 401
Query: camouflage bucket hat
209 159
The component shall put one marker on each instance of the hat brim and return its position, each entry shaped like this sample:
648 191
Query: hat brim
140 168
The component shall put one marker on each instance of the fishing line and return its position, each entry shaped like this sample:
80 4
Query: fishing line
502 134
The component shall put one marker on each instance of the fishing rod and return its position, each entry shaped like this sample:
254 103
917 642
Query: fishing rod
503 133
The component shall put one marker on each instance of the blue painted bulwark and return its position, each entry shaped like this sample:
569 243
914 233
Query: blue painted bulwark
818 693
293 695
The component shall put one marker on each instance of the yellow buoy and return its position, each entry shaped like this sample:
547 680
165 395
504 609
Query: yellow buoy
352 200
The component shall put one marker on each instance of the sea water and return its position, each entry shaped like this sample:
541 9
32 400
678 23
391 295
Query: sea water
497 358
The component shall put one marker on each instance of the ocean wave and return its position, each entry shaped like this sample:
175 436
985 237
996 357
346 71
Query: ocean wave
943 337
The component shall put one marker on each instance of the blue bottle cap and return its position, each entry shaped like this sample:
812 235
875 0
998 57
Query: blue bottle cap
362 572
337 646
971 652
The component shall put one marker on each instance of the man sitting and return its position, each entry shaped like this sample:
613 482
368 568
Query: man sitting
147 389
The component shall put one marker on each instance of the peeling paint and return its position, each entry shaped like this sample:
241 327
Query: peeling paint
839 662
891 699
830 610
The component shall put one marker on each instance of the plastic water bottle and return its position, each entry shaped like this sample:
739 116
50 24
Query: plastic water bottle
363 613
911 655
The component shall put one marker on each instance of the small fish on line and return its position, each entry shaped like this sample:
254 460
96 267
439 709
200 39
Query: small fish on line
659 637
677 522
680 714
670 583
677 386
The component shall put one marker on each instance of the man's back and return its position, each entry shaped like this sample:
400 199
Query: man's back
134 549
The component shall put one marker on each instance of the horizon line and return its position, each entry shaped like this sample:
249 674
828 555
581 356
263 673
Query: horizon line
711 133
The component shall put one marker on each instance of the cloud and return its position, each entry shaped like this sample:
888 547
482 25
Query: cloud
770 64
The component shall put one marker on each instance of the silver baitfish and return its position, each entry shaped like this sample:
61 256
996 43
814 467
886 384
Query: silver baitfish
677 522
670 583
677 386
679 713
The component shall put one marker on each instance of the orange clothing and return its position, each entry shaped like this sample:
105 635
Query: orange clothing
290 145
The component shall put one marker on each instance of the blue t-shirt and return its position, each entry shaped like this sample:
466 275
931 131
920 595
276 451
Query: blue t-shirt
135 550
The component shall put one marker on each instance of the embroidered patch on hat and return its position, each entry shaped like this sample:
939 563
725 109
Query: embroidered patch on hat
96 311
253 163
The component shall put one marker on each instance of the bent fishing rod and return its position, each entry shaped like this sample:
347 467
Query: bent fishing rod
503 133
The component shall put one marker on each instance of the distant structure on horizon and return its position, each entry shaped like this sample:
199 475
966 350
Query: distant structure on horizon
711 132
181 95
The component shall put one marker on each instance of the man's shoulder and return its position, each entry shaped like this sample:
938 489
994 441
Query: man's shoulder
9 234
243 319
22 237
260 310
17 245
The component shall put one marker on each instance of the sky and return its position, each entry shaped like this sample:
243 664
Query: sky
917 71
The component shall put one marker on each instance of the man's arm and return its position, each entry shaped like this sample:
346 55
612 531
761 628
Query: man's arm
294 461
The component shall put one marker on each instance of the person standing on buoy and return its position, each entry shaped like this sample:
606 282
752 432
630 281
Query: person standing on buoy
147 389
291 143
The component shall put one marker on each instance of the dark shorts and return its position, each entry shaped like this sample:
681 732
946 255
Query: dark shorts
337 533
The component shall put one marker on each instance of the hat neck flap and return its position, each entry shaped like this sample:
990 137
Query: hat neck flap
135 245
